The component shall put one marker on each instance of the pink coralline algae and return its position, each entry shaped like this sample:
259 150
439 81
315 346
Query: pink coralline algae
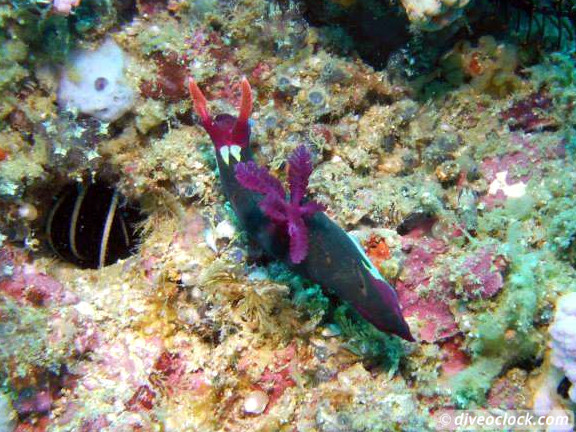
529 114
172 72
454 359
40 425
95 425
277 377
277 382
123 361
29 286
25 284
287 213
171 79
508 392
170 375
143 399
483 274
89 339
152 7
37 402
479 276
37 395
508 174
429 306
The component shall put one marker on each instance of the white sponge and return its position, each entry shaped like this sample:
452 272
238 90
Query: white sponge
432 15
93 82
563 332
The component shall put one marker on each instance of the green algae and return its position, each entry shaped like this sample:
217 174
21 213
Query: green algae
470 386
306 296
509 334
31 34
27 328
364 340
359 336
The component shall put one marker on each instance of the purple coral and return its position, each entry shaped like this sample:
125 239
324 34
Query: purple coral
290 213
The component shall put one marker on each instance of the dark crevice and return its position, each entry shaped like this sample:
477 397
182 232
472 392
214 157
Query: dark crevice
86 219
373 34
378 31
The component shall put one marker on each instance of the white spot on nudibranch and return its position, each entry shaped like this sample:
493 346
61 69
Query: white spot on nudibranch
235 152
225 153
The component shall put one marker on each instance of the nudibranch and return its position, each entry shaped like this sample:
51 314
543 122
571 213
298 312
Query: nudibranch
292 228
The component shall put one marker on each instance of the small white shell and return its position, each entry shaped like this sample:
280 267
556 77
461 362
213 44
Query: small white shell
210 240
331 330
188 278
225 230
256 402
28 212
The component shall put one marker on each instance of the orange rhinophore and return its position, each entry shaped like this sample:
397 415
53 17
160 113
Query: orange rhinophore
246 102
224 129
200 103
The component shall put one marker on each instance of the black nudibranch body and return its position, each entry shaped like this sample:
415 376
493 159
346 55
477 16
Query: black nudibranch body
332 259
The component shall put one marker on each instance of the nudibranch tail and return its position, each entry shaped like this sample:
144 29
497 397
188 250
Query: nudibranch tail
393 321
